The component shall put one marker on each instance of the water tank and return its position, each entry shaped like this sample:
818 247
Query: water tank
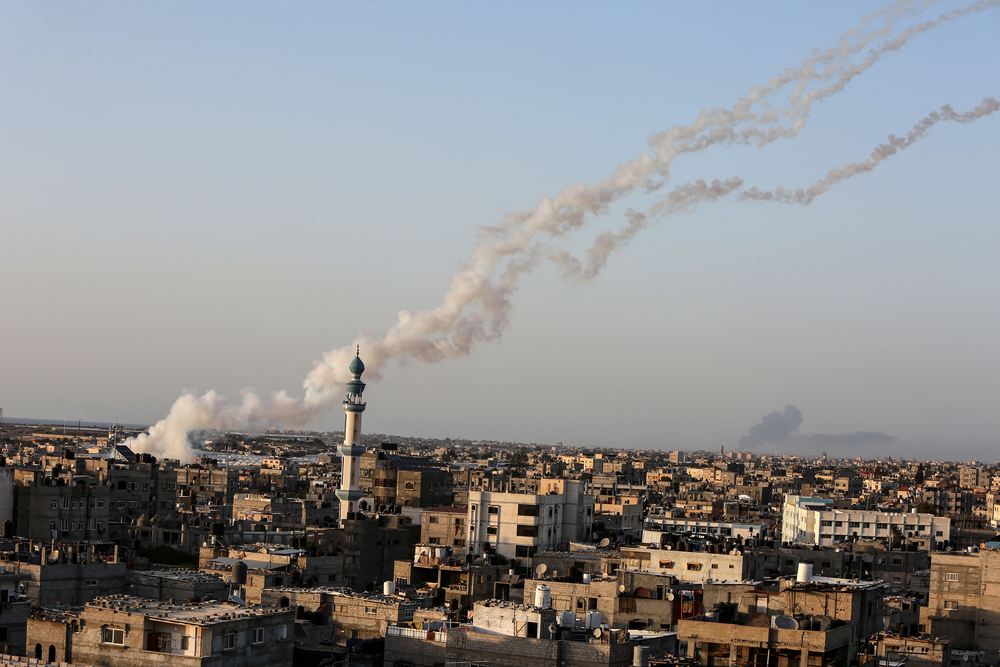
543 597
388 588
593 619
8 529
586 577
239 573
568 619
804 574
640 656
785 622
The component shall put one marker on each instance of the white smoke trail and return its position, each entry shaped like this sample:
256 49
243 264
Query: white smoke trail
892 146
476 308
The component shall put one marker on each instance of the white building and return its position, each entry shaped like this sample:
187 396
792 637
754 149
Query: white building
517 525
813 521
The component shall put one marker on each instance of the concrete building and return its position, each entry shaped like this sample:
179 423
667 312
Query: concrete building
964 600
518 525
122 631
68 574
507 636
806 624
688 566
389 479
354 615
812 521
921 651
730 529
177 584
449 580
445 526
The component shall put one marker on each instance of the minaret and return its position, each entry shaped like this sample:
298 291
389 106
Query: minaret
349 492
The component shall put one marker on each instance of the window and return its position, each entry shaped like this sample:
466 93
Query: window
527 531
527 510
230 641
897 580
666 564
432 519
185 643
434 540
950 604
113 636
493 509
826 523
491 530
65 503
694 566
258 635
370 610
54 505
282 632
897 560
951 576
90 582
100 504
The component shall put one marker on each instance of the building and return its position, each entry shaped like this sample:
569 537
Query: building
445 526
355 615
122 631
390 479
964 600
808 624
813 521
518 525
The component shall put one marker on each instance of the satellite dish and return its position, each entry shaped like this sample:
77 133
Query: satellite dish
541 568
597 633
553 628
236 599
670 596
605 542
621 589
669 548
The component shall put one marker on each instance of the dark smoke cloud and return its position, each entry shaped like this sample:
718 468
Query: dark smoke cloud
780 429
774 429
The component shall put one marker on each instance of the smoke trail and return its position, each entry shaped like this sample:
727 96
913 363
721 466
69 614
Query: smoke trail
892 146
477 305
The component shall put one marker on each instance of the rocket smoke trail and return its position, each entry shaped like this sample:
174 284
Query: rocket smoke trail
477 306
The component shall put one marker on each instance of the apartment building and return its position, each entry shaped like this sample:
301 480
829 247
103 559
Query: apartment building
517 525
813 521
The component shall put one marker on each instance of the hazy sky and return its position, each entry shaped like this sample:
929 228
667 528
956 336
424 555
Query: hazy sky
209 196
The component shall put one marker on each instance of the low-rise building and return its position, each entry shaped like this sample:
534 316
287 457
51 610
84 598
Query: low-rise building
123 631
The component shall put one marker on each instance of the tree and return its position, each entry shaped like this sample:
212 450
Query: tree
919 478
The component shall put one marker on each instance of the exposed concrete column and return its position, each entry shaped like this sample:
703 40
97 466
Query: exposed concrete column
732 655
804 659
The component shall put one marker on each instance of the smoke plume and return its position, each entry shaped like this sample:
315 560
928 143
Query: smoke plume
781 429
477 305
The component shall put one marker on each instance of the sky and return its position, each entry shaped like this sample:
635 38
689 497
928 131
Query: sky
203 197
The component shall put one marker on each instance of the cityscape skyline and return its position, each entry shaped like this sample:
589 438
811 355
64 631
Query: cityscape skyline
230 209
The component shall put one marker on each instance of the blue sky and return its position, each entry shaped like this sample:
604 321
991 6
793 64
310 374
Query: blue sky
198 197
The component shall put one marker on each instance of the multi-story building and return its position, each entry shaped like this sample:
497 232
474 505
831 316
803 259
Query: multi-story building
813 521
408 481
964 600
517 525
445 526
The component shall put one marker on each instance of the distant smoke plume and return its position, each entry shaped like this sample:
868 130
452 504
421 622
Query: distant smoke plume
774 429
780 429
477 305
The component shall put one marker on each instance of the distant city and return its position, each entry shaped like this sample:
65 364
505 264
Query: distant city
340 548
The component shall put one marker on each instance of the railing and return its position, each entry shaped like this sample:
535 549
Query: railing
413 633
